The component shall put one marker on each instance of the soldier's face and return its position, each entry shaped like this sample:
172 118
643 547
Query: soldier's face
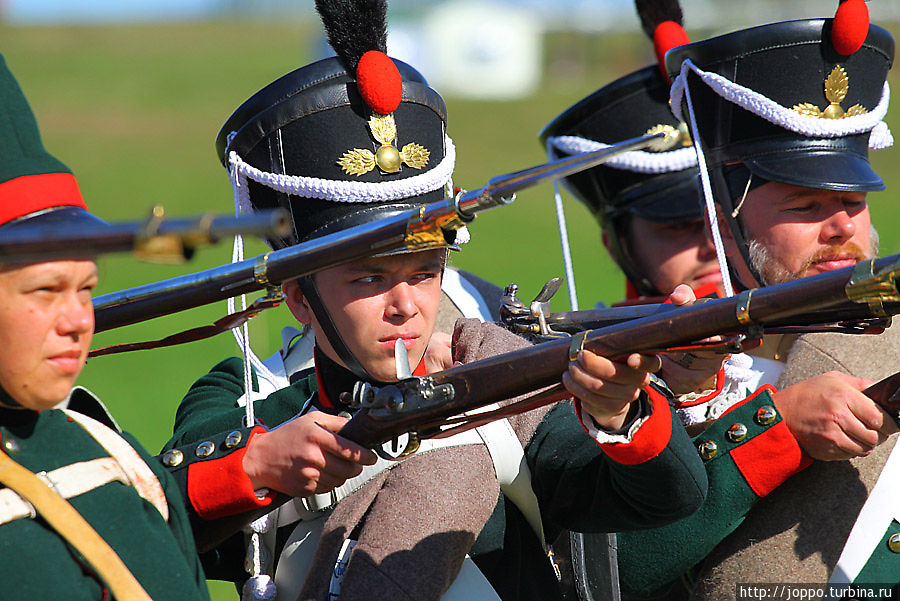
46 325
376 301
669 254
796 232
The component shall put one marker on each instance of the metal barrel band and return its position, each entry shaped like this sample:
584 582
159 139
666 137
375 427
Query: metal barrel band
742 309
865 286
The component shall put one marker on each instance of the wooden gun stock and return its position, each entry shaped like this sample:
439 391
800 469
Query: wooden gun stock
886 395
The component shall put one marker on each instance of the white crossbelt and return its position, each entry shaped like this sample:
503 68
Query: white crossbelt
139 473
124 465
873 520
69 481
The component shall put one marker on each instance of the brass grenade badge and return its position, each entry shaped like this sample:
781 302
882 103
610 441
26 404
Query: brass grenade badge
387 157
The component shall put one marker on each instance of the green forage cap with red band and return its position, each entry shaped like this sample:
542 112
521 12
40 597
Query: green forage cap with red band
32 181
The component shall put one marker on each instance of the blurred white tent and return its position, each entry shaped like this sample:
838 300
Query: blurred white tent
483 49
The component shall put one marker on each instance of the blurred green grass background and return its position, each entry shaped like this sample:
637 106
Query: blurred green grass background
134 110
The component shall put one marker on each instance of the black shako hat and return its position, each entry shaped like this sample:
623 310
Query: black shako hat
342 141
659 184
779 99
782 103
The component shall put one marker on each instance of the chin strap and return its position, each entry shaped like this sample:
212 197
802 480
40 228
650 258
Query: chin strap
329 330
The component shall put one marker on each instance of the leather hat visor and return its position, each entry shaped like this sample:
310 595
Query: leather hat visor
821 170
669 198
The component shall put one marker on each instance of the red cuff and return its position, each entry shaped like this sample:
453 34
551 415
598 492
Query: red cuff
770 458
649 440
221 487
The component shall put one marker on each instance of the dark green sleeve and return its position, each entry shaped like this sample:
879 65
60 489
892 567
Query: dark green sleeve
580 488
210 405
652 561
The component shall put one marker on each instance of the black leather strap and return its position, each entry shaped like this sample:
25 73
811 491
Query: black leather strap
329 330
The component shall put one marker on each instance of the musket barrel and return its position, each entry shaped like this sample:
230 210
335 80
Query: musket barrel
572 322
392 233
527 370
141 303
500 190
40 242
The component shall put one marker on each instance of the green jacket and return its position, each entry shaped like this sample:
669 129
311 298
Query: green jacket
39 564
741 470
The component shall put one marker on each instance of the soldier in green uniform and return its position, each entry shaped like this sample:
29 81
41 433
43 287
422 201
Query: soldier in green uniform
344 141
822 230
790 175
85 512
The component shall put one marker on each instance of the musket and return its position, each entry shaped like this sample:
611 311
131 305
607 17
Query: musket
415 229
155 239
433 405
536 322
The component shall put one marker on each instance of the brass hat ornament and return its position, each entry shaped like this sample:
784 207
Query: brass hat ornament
381 87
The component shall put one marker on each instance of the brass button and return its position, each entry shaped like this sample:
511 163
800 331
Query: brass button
233 439
894 543
205 449
172 458
737 432
707 449
765 415
11 445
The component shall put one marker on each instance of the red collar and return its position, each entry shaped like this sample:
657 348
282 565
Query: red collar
328 403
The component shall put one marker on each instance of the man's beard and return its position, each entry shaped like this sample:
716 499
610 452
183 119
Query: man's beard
772 271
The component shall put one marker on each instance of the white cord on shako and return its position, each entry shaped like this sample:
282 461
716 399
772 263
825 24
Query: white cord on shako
756 103
637 161
787 118
563 233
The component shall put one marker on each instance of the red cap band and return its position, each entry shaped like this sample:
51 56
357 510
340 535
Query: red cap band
23 195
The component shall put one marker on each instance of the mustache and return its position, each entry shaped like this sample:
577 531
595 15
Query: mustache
848 250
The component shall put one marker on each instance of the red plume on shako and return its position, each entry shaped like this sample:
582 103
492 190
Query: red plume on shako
379 82
851 26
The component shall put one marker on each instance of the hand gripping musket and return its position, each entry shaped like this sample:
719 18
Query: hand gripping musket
415 229
536 322
157 239
433 405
